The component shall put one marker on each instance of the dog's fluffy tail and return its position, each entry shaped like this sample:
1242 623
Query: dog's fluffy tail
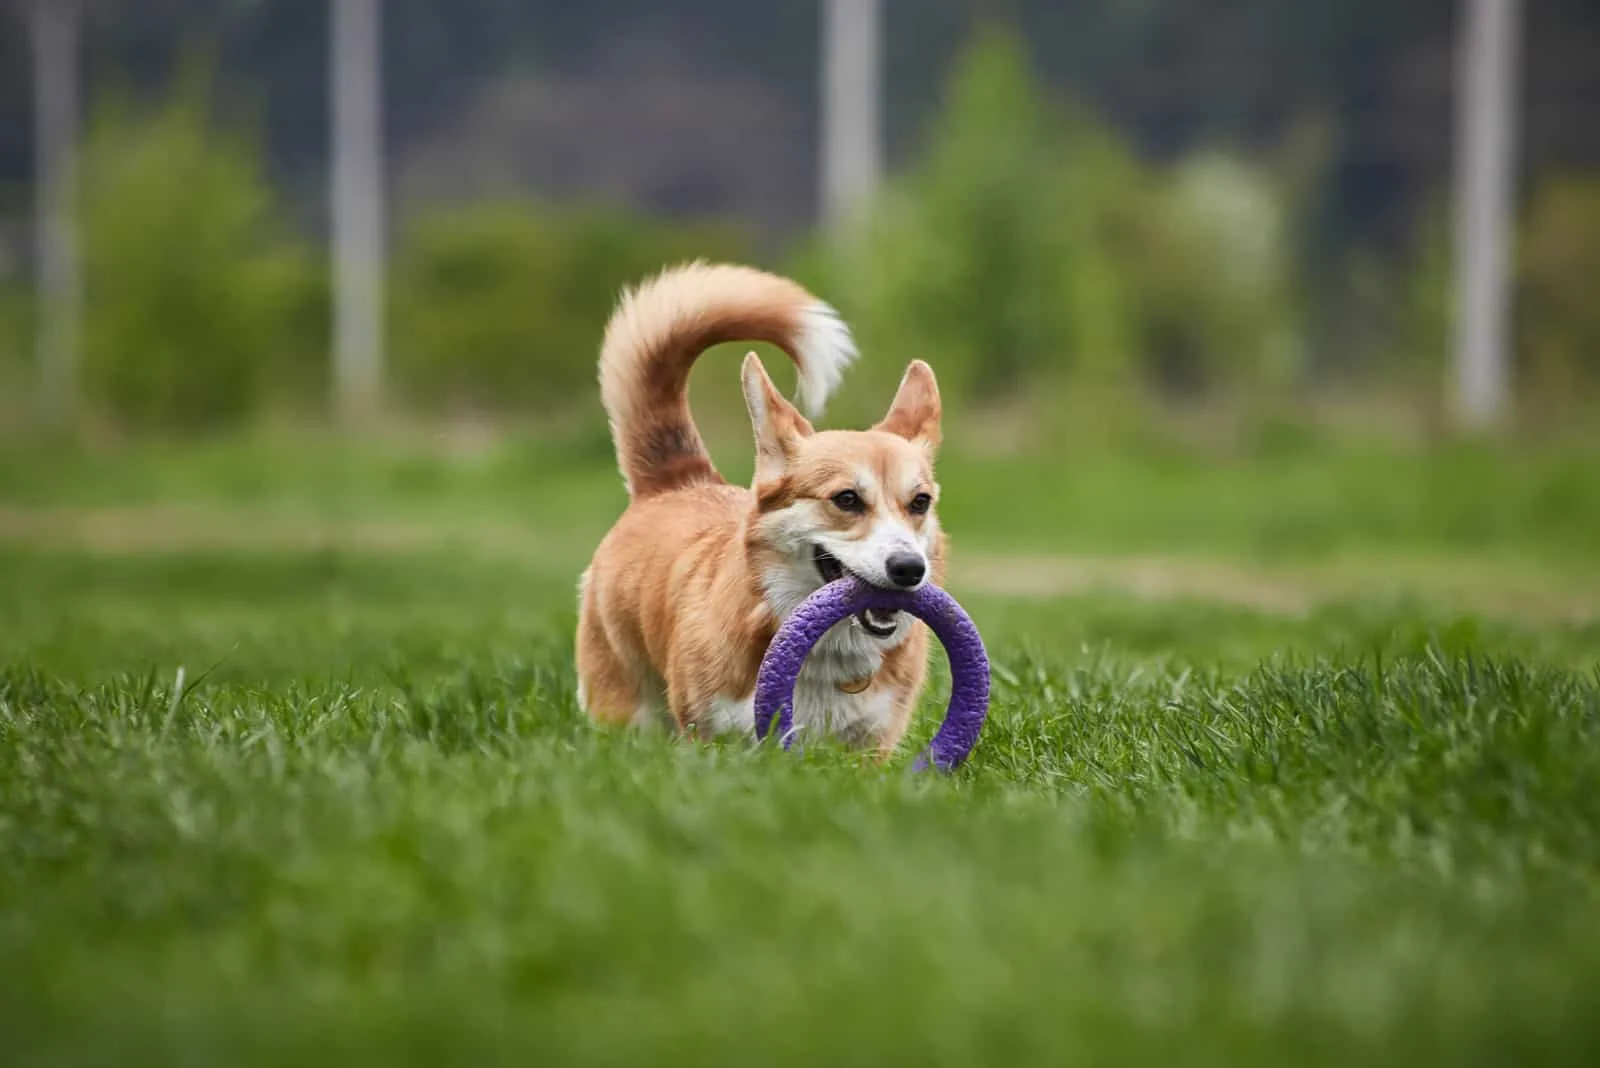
661 327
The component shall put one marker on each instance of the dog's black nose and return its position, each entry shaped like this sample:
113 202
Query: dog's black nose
905 569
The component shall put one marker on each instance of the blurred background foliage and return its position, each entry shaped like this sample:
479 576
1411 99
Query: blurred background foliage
1063 276
497 306
203 307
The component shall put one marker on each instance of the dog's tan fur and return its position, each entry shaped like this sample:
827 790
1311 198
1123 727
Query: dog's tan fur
686 590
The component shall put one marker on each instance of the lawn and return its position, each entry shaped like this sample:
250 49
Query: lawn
1292 759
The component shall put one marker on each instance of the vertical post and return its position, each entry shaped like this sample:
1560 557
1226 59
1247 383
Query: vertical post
1486 152
358 208
54 25
851 87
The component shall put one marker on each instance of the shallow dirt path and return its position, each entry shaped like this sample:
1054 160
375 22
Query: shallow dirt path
1516 589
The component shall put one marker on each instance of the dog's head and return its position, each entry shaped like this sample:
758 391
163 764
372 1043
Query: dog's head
836 502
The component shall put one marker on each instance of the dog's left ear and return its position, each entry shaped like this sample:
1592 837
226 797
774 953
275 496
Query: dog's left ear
915 413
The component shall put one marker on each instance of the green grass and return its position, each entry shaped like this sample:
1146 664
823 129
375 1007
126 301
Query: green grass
367 823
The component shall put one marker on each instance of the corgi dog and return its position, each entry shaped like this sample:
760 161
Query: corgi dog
686 590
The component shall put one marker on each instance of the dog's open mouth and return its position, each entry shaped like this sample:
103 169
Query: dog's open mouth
828 566
875 621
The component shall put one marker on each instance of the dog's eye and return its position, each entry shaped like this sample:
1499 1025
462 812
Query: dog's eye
848 501
920 504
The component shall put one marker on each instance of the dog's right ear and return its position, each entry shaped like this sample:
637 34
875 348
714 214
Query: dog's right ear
778 426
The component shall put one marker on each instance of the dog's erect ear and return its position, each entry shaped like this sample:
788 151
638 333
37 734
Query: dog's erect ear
778 426
915 413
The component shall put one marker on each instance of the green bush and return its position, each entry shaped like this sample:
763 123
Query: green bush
199 306
990 257
1406 310
1029 246
17 387
1558 317
1386 329
499 307
1215 289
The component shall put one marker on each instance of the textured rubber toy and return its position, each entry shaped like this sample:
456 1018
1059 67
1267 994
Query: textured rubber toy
843 598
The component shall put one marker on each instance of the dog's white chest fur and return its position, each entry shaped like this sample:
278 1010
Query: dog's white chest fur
857 717
843 658
820 709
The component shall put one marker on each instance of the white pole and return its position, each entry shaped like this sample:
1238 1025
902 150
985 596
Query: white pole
851 86
55 101
1486 153
358 208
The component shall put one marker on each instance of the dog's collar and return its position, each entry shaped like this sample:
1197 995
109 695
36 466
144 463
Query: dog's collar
854 686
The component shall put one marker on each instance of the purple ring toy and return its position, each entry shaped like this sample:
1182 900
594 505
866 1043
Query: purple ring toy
842 598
